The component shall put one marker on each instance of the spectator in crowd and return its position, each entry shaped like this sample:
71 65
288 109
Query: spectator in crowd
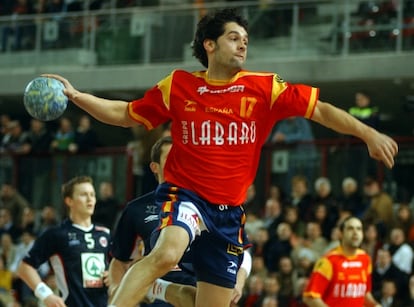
17 141
48 219
26 242
334 239
272 290
11 199
402 253
252 204
40 139
301 197
258 266
367 113
7 225
273 214
325 218
288 278
291 216
404 219
8 250
254 292
297 131
350 199
64 136
385 269
86 138
5 119
305 260
323 194
388 296
278 246
380 210
107 206
28 220
313 239
17 32
6 283
259 241
372 241
410 300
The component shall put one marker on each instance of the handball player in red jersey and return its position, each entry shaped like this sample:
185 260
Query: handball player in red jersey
220 118
342 277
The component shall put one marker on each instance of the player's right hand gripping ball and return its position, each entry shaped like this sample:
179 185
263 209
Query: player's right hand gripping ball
44 98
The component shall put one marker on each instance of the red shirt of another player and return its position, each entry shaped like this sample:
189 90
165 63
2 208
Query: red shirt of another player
340 280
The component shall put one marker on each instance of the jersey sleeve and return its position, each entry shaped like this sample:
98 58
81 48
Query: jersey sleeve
319 279
293 99
153 109
43 248
125 237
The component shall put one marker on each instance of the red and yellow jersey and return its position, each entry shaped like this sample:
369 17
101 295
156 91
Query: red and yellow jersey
341 280
218 128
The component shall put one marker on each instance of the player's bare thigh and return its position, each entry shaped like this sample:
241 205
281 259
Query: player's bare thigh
211 295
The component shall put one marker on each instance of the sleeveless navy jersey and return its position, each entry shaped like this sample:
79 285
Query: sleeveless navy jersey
133 231
78 257
132 237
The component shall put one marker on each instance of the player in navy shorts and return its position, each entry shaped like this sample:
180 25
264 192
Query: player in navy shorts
77 251
131 241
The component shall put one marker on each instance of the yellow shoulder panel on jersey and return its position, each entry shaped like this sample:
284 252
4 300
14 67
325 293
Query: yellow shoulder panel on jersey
165 87
324 267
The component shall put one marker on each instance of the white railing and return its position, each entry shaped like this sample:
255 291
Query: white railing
164 33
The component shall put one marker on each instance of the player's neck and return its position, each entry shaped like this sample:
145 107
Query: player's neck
349 250
221 74
81 221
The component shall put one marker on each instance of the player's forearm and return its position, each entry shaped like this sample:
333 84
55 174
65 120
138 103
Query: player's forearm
29 275
314 302
113 112
340 121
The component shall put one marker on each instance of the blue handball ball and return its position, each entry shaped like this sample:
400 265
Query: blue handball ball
44 98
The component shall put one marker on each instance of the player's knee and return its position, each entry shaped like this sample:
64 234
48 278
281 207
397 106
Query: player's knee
166 259
187 296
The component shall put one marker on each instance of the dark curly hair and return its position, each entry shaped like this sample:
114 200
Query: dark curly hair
211 26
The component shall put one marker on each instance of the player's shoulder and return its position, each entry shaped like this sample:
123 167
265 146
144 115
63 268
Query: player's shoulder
141 201
101 228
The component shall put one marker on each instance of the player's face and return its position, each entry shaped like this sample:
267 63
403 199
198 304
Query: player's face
231 47
352 234
83 200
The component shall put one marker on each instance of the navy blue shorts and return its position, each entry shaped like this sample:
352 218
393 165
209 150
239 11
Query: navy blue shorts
217 238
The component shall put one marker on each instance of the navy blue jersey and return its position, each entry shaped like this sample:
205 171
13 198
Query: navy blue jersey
132 237
137 222
78 257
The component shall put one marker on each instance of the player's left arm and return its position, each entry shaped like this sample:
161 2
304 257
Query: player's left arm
380 146
370 301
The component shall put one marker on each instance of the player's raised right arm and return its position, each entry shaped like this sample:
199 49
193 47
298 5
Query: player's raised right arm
113 112
30 276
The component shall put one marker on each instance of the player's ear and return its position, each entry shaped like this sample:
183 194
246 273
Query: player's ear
209 45
155 167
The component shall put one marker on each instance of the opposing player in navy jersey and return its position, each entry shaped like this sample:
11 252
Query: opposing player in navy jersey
132 234
77 251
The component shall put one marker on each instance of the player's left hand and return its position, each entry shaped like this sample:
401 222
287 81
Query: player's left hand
381 147
236 295
105 278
